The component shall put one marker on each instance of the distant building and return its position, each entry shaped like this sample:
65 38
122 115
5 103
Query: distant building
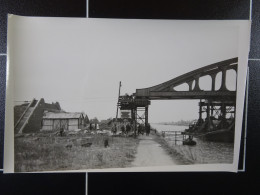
28 117
68 121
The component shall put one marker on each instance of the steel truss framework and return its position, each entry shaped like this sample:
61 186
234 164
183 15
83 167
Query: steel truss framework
217 103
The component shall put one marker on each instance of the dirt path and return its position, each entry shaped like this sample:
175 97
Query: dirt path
150 153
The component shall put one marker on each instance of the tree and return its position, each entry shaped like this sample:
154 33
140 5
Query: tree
94 120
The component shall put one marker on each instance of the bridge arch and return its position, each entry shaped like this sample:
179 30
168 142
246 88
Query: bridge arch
216 98
167 90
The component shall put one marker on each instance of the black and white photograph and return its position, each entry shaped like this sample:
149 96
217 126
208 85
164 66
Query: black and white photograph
124 95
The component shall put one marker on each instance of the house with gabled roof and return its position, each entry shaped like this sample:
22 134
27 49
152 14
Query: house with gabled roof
52 121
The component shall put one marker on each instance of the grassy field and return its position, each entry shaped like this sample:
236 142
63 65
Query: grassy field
49 152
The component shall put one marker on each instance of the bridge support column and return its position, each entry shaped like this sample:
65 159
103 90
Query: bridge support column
211 109
223 81
200 121
134 113
213 85
208 115
223 115
223 110
146 116
197 85
200 110
190 85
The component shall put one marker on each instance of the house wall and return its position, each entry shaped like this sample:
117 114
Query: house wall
35 122
47 124
73 124
81 122
54 124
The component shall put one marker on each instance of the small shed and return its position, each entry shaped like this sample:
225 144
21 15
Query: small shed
68 121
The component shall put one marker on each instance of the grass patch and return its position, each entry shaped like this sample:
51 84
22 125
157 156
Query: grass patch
49 152
203 152
179 157
191 153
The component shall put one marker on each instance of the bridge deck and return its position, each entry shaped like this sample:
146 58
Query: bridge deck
218 95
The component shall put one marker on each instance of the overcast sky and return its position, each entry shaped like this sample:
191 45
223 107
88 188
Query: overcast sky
79 62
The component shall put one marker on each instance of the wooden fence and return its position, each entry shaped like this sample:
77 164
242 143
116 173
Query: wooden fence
178 135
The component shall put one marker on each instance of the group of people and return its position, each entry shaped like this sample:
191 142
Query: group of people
126 128
141 128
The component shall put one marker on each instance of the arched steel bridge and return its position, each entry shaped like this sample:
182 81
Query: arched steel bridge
166 90
221 98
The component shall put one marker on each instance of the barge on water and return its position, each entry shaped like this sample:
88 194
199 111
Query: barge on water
221 135
219 123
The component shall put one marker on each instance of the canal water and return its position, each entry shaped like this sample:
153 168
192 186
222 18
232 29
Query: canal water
203 151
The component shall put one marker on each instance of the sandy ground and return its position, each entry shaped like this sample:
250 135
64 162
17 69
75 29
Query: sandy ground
150 153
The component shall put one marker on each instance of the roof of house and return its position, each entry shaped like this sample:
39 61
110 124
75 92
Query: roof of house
62 115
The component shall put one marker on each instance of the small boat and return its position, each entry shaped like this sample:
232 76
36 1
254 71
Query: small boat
189 142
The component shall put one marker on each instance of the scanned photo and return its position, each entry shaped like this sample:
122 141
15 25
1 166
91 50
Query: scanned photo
105 94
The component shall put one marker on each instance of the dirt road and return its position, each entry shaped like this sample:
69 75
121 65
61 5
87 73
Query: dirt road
150 153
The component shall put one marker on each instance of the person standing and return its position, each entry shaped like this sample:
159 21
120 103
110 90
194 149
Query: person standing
114 129
148 129
128 128
139 129
123 129
61 131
